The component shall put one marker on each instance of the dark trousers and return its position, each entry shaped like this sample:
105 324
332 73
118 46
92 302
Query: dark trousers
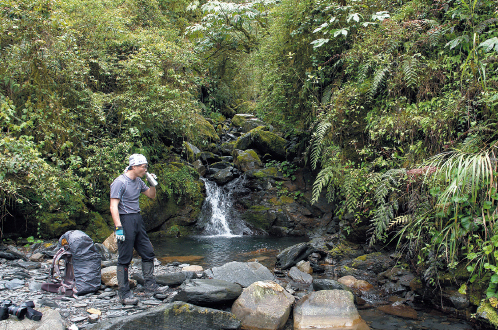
135 237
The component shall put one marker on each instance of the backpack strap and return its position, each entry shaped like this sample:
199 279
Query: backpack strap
54 268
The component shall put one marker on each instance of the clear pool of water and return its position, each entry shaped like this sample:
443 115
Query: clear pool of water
213 251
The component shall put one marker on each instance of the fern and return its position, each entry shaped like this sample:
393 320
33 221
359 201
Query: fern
323 179
401 220
387 203
317 142
327 93
379 81
410 71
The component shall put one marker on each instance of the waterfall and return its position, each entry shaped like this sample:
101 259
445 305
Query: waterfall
218 216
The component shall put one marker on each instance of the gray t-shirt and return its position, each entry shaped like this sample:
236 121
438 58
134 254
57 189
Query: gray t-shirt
127 191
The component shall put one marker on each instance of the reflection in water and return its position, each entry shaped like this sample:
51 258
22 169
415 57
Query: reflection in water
211 251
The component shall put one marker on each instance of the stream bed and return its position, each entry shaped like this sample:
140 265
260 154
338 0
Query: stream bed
213 251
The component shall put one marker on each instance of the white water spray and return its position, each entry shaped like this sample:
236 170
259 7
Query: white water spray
218 215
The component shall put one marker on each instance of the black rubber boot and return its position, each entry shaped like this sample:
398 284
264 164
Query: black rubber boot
125 295
150 284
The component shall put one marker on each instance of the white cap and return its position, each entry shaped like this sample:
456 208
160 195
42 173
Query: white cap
137 159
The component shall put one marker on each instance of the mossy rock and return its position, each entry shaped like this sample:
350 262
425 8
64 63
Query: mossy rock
458 275
56 224
204 131
345 249
192 153
174 230
268 143
247 160
98 228
282 200
486 312
270 172
257 217
247 122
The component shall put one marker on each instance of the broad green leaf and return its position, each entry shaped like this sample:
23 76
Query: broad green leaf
490 44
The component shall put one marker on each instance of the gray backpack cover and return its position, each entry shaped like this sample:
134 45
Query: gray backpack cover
86 260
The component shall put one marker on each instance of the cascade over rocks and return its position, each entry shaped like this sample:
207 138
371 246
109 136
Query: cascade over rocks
273 201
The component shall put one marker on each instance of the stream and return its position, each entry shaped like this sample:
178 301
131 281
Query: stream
226 239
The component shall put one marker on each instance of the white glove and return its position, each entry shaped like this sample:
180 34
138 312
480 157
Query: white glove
120 234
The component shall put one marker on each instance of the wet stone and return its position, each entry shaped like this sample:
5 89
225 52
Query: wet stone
29 264
14 284
78 319
151 302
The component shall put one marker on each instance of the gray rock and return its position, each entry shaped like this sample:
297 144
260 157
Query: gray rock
48 303
263 305
223 176
208 292
105 254
34 286
243 273
326 284
300 278
29 264
176 315
459 300
327 309
169 279
14 284
78 319
293 254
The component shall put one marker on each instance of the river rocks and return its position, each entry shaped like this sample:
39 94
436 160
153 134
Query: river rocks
111 244
292 255
328 309
176 315
399 310
304 266
375 262
169 279
358 286
328 284
263 305
247 160
243 273
302 279
224 176
208 292
246 121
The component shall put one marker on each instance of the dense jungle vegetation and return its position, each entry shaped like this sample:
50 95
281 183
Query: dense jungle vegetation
396 100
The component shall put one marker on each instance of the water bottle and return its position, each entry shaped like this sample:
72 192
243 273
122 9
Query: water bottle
151 179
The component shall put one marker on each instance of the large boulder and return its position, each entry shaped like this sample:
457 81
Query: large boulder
243 273
269 143
263 305
328 309
293 254
247 160
177 315
208 292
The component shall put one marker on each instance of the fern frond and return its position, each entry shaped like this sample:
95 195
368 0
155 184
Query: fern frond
379 81
401 220
316 144
327 93
324 178
409 66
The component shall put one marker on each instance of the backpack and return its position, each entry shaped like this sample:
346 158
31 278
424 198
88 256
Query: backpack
82 266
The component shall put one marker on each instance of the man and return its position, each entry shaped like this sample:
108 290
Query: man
129 226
